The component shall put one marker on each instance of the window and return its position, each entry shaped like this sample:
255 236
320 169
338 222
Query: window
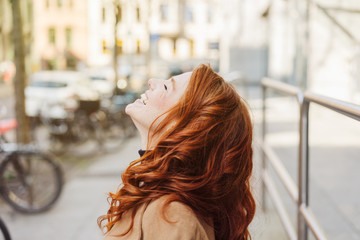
59 3
51 64
119 13
52 36
138 14
174 47
104 46
138 50
48 84
188 14
68 33
119 45
191 47
209 13
164 12
103 14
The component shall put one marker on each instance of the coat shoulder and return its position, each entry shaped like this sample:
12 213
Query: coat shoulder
173 221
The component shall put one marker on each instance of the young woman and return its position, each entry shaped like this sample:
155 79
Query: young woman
192 181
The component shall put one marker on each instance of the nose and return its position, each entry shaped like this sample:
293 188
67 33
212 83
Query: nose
152 83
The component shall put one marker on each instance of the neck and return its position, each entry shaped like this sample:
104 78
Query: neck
143 135
144 139
144 132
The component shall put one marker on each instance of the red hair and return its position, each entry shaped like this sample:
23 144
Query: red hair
203 161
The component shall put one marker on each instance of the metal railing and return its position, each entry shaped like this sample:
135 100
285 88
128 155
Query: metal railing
298 192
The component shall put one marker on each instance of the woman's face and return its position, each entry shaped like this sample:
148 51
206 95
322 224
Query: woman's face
162 95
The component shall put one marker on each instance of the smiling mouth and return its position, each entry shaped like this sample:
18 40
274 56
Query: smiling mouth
144 99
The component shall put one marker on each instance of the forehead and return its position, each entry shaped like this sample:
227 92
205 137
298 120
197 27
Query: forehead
182 78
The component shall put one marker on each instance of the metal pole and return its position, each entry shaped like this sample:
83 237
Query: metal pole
303 174
303 169
115 53
302 42
263 160
306 41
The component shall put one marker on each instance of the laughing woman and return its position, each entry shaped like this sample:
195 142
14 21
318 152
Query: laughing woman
192 178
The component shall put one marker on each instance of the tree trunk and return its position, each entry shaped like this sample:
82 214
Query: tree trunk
115 61
2 30
22 132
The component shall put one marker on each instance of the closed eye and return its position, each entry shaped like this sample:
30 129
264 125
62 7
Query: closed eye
165 87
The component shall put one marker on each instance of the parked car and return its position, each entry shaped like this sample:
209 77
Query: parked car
59 89
102 80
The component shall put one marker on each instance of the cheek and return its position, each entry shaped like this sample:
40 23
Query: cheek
163 103
167 104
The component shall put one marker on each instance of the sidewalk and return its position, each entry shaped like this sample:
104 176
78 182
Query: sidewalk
83 200
334 178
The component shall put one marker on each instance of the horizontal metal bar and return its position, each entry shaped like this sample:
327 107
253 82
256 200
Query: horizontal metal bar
279 205
347 10
280 86
345 108
281 171
312 222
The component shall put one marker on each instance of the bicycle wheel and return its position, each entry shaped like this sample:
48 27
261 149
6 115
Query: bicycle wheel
30 181
4 231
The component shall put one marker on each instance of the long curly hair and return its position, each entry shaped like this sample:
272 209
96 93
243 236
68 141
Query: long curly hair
203 161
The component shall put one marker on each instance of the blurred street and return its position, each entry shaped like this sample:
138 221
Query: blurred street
79 63
82 201
334 177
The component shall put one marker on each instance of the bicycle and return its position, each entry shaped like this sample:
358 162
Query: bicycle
4 231
30 180
75 130
120 102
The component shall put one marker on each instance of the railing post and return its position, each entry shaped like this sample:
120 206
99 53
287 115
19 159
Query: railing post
303 169
305 219
263 133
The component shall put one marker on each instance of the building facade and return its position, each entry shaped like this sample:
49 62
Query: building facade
68 31
331 51
59 33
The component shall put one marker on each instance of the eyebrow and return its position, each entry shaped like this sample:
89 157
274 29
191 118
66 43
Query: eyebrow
173 83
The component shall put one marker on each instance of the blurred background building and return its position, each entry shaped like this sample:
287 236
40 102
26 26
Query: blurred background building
119 44
162 37
331 49
151 36
158 38
60 35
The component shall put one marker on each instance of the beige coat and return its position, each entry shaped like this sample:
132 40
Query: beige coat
149 224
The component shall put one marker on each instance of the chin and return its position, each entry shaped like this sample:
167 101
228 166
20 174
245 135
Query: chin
128 109
135 112
134 109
